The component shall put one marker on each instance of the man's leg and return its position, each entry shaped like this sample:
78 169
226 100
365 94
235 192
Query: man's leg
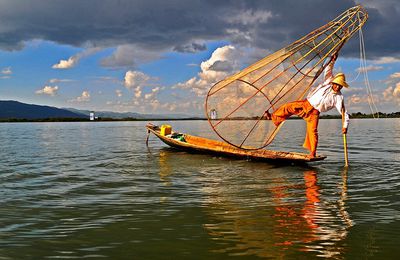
311 140
287 110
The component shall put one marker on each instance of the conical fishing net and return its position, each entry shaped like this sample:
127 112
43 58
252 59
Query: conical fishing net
236 105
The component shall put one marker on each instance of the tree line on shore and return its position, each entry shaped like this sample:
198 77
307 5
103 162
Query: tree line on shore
362 115
107 119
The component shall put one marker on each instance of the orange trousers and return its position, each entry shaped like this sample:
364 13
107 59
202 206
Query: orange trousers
305 110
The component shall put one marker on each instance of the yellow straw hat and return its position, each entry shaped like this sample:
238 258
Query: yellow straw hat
340 79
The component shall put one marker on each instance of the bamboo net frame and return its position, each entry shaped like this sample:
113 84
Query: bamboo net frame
284 76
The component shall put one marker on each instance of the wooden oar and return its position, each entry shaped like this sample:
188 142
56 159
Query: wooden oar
346 155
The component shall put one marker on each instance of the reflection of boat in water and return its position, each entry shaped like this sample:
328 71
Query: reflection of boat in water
203 145
328 220
274 215
285 220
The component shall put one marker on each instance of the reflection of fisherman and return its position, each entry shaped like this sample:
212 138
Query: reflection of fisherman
327 220
323 98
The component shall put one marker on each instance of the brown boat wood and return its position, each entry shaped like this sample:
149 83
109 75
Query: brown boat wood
209 146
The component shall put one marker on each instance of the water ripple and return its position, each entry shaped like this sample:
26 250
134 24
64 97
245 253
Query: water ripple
81 190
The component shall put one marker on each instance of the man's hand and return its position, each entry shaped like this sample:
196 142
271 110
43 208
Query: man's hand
344 130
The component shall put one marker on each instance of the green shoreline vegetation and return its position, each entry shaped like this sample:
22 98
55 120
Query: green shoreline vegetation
100 119
358 115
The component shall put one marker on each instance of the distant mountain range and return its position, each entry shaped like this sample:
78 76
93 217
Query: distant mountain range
16 110
10 109
115 115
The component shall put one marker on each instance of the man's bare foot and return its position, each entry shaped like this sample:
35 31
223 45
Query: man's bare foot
267 115
311 155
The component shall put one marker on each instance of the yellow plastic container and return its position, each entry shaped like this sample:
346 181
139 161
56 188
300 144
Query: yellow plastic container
165 130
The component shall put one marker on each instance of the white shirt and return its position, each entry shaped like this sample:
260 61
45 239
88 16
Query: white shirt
324 98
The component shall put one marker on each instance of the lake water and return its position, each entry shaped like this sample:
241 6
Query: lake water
94 190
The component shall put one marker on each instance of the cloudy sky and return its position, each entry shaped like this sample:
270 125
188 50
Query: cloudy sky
156 56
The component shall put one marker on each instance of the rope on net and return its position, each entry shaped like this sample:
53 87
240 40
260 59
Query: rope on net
363 69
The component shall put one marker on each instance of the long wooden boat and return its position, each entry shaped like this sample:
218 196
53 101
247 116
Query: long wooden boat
203 145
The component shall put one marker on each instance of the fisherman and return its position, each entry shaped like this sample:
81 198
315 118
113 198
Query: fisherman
322 98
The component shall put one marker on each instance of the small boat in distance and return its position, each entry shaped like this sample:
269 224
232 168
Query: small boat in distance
197 144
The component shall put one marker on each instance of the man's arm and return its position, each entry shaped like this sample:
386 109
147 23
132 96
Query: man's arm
328 76
328 72
345 116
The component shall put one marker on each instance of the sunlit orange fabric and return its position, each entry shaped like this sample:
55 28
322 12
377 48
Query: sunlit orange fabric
304 110
310 210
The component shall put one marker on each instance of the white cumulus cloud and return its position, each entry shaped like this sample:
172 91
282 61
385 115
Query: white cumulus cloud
135 79
53 81
138 92
48 90
392 93
386 60
369 68
223 62
6 71
395 75
66 64
84 97
396 91
152 94
118 92
73 60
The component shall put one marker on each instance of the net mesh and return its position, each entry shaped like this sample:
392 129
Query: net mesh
235 106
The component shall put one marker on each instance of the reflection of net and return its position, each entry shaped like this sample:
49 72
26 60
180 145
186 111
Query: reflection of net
235 106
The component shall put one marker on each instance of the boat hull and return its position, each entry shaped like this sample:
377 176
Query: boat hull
197 144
